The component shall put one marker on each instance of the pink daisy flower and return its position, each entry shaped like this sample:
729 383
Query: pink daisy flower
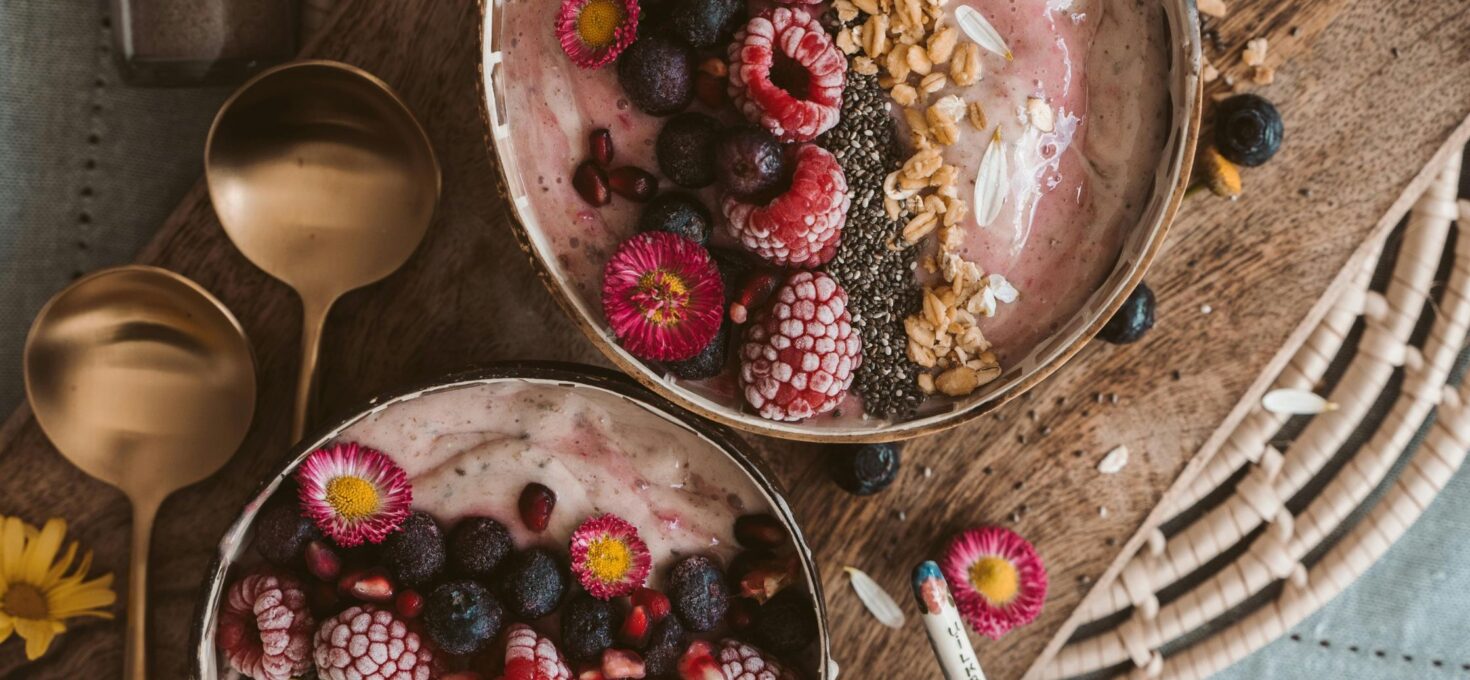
353 493
997 578
609 558
594 32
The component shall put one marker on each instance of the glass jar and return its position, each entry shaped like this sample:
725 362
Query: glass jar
197 42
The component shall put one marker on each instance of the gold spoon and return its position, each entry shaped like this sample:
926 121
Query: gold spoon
145 381
322 177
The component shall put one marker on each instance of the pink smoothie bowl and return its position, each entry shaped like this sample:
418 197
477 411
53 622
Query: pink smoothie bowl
564 263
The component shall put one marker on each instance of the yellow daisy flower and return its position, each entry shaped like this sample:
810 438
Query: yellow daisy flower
37 596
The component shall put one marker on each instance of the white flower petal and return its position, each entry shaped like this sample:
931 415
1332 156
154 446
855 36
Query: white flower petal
1296 402
1113 462
879 603
991 181
978 28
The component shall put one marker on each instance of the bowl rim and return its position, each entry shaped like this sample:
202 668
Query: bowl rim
1180 167
561 374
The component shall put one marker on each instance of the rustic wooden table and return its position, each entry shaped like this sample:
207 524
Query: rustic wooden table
1371 91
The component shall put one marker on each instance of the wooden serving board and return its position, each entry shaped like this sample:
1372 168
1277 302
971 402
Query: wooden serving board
1353 80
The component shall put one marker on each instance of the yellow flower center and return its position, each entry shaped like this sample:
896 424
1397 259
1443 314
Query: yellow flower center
662 296
352 497
599 21
23 601
608 559
996 579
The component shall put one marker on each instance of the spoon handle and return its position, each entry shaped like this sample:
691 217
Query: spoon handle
135 662
947 634
313 319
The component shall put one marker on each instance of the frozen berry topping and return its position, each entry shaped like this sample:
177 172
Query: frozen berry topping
685 149
709 363
749 164
265 627
532 583
741 661
701 23
678 213
657 73
366 643
282 532
798 358
786 74
477 545
415 553
663 296
529 656
697 590
786 624
803 226
587 627
461 617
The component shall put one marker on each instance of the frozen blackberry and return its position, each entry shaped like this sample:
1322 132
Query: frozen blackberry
786 624
702 23
586 627
710 361
864 469
749 164
678 213
532 583
697 590
1133 319
686 149
282 532
657 73
415 553
462 616
476 546
665 646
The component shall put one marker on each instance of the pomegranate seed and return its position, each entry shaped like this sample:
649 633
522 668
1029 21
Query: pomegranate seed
767 578
634 632
698 663
741 614
753 293
591 673
711 91
591 183
536 505
322 561
714 66
369 586
655 603
634 184
621 664
409 604
599 142
760 531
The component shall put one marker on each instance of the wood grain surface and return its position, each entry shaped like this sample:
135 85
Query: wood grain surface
1370 91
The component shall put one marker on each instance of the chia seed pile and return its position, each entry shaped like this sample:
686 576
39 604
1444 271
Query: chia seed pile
878 278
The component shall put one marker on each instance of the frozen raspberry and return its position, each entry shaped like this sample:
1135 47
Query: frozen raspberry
740 661
367 643
786 74
265 626
798 359
801 227
529 656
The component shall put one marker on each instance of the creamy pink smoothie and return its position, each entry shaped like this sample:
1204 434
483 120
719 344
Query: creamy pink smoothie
1074 192
471 450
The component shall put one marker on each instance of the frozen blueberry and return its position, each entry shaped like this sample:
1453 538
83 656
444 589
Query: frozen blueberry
586 627
665 646
686 149
734 266
282 532
532 583
1133 319
702 23
657 73
697 591
461 616
477 545
678 213
864 469
786 624
1248 129
415 553
749 163
710 361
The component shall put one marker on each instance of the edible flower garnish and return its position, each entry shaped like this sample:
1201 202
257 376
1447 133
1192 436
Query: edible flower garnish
37 596
609 558
990 181
997 578
979 29
594 32
353 493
